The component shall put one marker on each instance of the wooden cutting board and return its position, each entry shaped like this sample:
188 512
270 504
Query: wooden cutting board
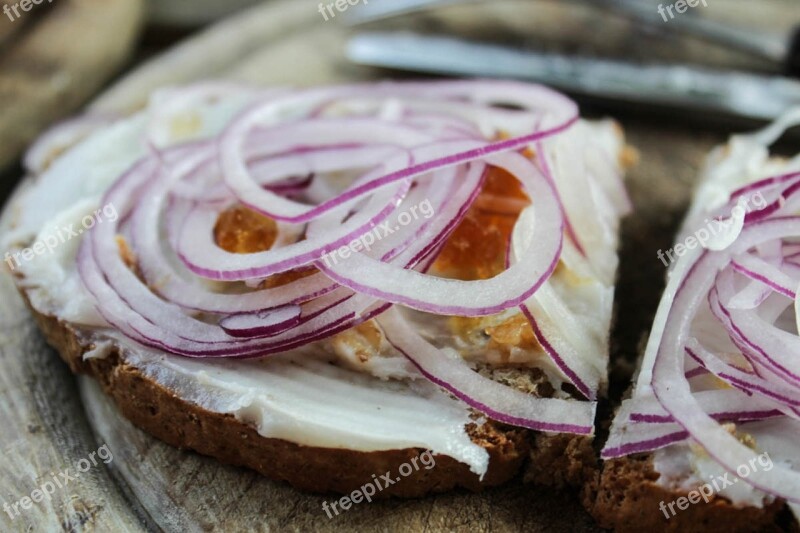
54 57
50 421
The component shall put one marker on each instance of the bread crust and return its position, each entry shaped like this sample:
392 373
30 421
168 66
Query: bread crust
625 497
185 425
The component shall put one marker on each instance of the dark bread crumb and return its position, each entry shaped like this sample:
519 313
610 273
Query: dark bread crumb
561 460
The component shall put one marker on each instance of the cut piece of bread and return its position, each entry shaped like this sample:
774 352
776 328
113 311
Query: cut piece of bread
555 460
654 478
332 415
625 497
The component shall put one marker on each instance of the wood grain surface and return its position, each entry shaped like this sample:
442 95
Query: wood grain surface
54 58
49 421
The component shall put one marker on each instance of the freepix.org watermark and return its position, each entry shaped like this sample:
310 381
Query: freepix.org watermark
707 491
60 480
379 483
424 210
327 10
12 10
681 6
714 227
60 236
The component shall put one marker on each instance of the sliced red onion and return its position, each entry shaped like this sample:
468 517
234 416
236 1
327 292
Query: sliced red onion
497 401
768 348
284 138
203 257
584 376
669 384
725 312
696 372
722 405
469 298
544 167
641 439
781 397
333 166
753 295
268 171
759 270
263 323
642 425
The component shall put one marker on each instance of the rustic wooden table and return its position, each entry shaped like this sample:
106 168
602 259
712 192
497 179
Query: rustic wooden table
50 420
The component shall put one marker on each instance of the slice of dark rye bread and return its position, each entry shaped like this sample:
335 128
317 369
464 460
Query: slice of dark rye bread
558 460
624 496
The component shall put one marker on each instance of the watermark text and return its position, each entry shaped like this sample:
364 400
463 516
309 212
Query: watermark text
365 242
46 490
60 236
713 228
12 10
681 6
707 491
327 10
378 483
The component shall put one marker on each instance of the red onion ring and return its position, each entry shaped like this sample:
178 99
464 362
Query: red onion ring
277 157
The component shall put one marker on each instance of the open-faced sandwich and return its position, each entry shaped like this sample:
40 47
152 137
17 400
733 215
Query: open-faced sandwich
321 284
710 438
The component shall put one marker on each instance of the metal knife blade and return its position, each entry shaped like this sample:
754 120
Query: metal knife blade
774 48
739 94
393 8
